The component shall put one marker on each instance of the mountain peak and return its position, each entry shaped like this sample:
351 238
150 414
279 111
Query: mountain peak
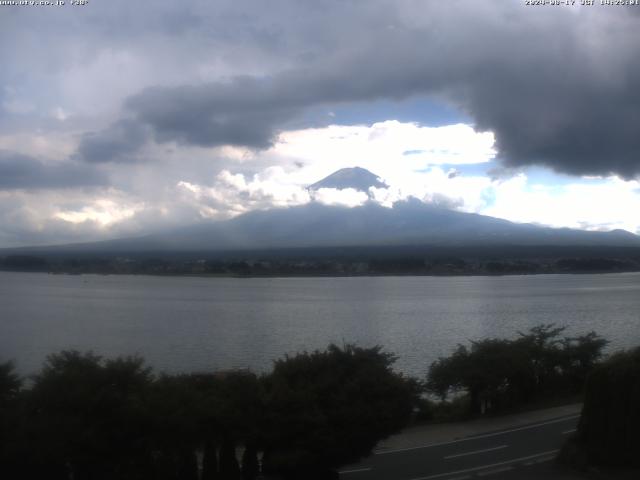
356 177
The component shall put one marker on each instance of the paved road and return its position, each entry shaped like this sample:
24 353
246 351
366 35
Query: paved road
476 456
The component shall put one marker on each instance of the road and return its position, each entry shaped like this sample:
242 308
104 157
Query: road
475 456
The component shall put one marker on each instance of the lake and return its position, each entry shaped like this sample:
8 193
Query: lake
202 324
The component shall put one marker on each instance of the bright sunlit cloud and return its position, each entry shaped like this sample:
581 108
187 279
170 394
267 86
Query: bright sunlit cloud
608 205
416 172
414 162
103 212
388 148
160 118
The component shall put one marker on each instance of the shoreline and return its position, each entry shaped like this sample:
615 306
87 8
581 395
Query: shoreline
328 275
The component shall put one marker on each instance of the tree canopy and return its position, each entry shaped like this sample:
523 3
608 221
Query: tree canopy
501 373
92 418
610 420
329 408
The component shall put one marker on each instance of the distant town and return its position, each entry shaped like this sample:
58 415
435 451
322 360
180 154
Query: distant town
332 262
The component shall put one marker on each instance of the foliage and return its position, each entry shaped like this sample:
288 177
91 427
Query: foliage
10 383
330 408
610 421
500 373
85 417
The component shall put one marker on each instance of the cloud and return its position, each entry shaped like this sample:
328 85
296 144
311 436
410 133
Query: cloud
590 205
19 171
381 147
102 212
346 197
46 217
29 218
569 105
242 74
243 112
39 144
233 100
233 194
118 143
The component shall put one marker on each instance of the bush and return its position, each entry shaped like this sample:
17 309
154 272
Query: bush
85 417
330 408
497 374
610 421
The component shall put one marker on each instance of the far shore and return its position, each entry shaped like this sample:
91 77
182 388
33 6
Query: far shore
329 275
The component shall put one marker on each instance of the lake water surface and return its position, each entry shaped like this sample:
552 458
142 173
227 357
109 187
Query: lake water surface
190 323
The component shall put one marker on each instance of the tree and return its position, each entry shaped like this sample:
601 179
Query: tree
580 356
447 374
610 420
240 401
329 408
489 372
10 389
10 383
501 373
177 422
87 417
542 346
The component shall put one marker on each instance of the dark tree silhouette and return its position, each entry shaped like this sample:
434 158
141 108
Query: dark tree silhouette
229 466
580 356
500 373
229 413
10 383
329 408
250 465
610 421
87 417
488 372
175 408
10 432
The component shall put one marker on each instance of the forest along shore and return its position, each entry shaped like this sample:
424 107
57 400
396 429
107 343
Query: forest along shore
360 264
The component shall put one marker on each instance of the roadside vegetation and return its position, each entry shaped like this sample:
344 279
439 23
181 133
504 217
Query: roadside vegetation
86 417
496 375
607 435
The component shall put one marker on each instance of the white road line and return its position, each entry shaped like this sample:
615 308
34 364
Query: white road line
484 467
494 471
545 459
475 452
359 470
486 435
567 432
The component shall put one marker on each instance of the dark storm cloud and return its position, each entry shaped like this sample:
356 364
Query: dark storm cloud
556 88
244 111
118 143
557 113
19 171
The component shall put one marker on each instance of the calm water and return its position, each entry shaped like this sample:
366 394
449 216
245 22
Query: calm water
187 324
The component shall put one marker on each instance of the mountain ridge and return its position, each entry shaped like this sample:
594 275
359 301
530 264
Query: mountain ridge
315 225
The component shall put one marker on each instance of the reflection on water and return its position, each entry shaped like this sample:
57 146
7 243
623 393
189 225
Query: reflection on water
187 323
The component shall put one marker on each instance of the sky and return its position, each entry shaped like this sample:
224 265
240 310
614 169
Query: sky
121 118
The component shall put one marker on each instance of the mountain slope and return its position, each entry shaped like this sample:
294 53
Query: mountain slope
410 223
